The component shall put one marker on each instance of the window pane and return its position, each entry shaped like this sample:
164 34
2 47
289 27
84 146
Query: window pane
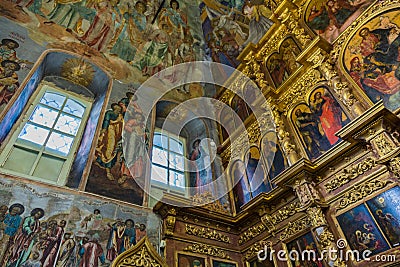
176 179
158 174
44 116
159 156
18 155
59 143
34 134
176 146
68 124
49 168
53 100
176 161
74 108
160 140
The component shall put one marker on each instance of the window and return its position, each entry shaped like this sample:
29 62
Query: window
168 164
48 136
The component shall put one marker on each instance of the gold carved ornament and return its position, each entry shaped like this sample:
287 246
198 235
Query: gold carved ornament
142 254
207 250
206 200
169 222
326 65
251 232
256 247
283 213
299 89
291 19
206 233
295 227
349 174
361 191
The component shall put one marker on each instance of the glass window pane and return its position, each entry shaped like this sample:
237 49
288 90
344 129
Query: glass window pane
158 174
34 134
176 179
59 143
176 161
68 124
74 108
160 156
49 168
53 100
160 140
176 146
44 116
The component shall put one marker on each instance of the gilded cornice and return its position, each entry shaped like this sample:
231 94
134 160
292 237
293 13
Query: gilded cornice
359 192
206 233
350 173
251 232
207 250
295 227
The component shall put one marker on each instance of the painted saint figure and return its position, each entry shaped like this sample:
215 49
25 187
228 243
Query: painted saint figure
25 239
111 134
330 115
316 143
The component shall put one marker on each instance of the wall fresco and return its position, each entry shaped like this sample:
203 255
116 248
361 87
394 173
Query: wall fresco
230 26
62 229
330 18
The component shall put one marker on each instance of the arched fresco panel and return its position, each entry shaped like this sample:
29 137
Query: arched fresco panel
371 58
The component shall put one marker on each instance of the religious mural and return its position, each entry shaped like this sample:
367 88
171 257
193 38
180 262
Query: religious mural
191 261
318 121
42 228
361 231
283 64
371 58
330 18
113 173
296 247
17 56
229 26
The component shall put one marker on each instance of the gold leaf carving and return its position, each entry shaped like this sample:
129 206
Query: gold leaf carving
207 250
349 174
361 191
251 233
142 254
206 233
294 227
